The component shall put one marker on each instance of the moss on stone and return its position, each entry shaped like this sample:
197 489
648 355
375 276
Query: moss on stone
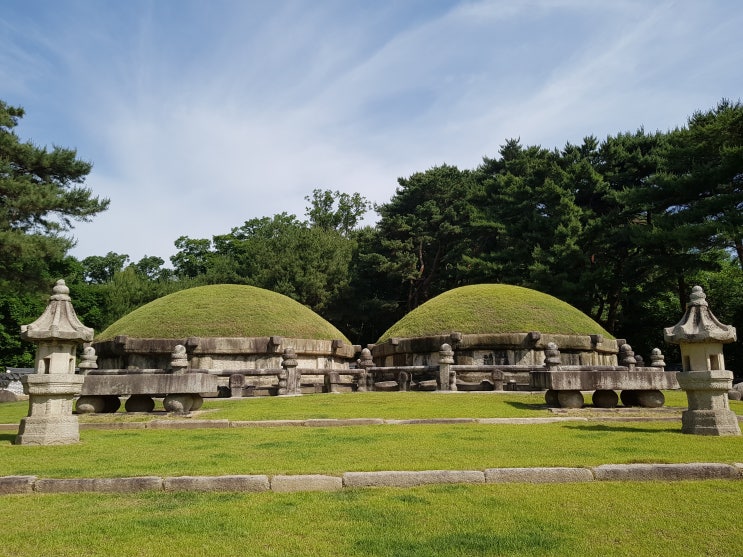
493 308
225 310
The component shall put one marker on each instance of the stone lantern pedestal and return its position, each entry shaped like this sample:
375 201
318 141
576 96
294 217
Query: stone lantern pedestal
53 387
709 412
704 377
50 420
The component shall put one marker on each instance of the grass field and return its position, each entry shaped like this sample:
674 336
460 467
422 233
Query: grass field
651 518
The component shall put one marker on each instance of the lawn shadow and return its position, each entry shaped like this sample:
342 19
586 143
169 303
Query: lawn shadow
9 437
526 406
620 428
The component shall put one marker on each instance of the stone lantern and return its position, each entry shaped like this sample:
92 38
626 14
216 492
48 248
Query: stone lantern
704 377
54 385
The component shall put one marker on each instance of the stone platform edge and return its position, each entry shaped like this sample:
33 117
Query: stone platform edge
10 485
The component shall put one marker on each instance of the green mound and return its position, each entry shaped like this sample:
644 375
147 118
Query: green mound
493 308
225 310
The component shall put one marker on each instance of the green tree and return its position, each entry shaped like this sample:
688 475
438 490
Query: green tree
426 233
40 197
99 269
333 210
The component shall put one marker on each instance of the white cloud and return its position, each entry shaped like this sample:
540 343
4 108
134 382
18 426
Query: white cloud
199 117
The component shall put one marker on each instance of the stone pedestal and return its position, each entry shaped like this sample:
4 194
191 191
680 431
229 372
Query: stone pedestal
50 420
709 412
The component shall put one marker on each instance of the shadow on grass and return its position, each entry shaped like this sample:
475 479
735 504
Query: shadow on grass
617 427
526 406
7 438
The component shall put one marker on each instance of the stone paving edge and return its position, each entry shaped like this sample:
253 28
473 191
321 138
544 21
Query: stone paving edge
281 483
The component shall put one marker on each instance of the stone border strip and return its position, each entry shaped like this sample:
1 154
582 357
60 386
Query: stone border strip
188 423
400 479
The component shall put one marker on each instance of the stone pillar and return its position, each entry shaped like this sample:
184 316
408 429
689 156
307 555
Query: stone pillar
446 360
704 377
366 380
53 387
293 377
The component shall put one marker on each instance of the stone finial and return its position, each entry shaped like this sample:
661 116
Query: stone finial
698 324
179 360
59 320
88 360
657 359
552 357
627 357
446 354
366 360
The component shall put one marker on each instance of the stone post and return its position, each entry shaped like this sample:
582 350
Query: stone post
446 360
53 387
704 377
293 377
365 363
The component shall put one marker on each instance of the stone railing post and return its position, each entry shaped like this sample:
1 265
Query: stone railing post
627 357
88 361
179 360
293 377
552 357
657 360
365 363
52 389
446 360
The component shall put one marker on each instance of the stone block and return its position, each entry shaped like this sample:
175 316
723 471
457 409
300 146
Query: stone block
343 422
100 485
16 484
411 478
217 483
189 424
311 482
268 423
538 475
665 472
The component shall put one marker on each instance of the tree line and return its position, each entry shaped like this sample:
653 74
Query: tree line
620 228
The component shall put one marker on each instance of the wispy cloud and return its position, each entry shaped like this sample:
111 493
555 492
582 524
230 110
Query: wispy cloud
199 116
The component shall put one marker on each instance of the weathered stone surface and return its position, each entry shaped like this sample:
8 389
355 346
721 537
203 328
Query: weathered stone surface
734 394
343 422
16 484
217 483
664 472
437 421
115 425
267 423
99 383
594 380
311 482
8 396
538 475
189 424
410 479
102 485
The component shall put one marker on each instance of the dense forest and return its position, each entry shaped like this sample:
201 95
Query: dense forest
621 228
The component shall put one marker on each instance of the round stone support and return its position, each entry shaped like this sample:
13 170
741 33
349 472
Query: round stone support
180 403
605 398
139 403
650 399
570 399
550 397
90 404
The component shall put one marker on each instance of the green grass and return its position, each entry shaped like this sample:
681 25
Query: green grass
493 308
224 310
410 405
615 519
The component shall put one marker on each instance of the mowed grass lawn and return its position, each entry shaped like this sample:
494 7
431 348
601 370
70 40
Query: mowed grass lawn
607 518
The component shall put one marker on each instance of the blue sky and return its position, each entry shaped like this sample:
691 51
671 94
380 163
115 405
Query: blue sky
201 115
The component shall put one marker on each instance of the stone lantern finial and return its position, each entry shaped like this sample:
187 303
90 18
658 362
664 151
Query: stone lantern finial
699 324
59 320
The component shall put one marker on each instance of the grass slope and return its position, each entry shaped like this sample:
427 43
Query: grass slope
225 310
493 308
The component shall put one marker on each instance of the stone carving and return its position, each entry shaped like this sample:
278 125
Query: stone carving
704 377
53 387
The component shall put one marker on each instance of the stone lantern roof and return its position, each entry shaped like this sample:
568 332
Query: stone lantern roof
59 320
699 324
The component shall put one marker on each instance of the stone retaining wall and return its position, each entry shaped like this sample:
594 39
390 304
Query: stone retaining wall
400 479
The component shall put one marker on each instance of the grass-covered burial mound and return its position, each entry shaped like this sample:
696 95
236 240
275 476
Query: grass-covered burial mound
225 310
493 308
